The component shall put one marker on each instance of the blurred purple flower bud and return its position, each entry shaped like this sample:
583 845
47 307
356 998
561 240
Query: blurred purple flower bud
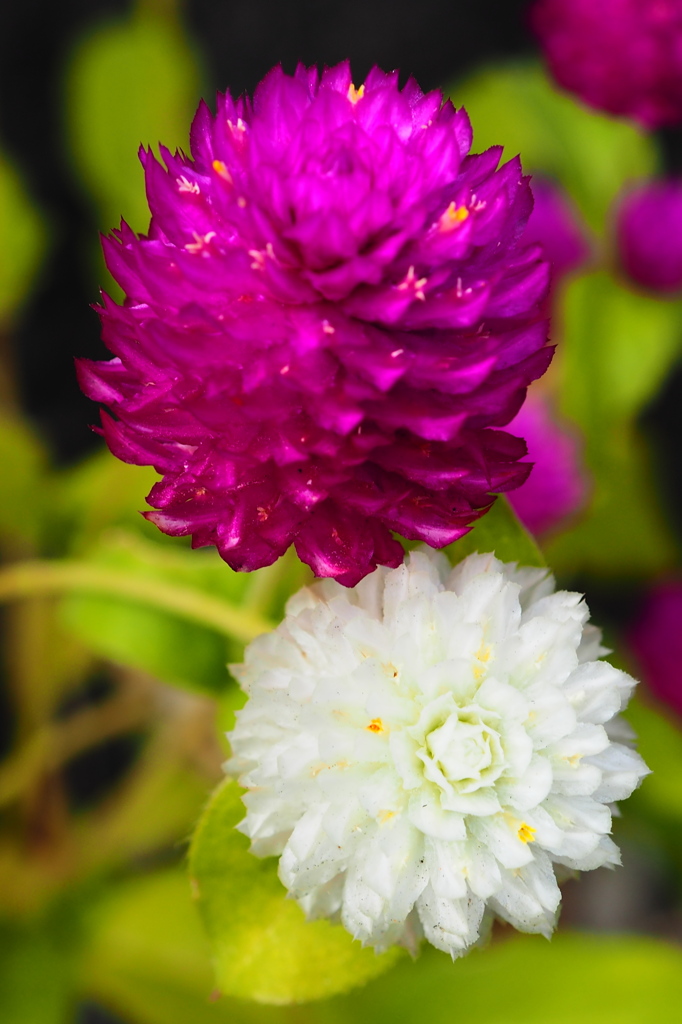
557 487
333 309
621 56
649 233
556 225
656 640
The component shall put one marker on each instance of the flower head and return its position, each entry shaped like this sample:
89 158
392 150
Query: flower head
331 310
622 56
557 486
649 231
427 744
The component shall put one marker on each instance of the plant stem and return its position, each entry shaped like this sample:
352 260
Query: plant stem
35 578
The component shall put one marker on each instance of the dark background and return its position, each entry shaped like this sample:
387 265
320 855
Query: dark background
435 40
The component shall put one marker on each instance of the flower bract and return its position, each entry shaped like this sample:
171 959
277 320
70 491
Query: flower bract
331 311
621 56
423 749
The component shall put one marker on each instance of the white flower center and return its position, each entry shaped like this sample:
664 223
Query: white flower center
460 748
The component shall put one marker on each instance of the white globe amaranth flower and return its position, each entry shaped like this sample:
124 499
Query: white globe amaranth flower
427 745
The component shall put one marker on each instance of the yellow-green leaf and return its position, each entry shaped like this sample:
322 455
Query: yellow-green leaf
263 947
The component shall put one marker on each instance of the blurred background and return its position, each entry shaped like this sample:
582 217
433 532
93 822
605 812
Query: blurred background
111 712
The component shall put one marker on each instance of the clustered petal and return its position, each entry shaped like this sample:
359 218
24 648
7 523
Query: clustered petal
621 56
422 750
331 312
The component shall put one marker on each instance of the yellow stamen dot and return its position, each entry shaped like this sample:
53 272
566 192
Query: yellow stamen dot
453 217
385 816
220 168
355 94
526 833
376 725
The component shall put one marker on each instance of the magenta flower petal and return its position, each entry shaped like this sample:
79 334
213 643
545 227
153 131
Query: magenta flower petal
656 640
557 486
649 233
621 56
332 308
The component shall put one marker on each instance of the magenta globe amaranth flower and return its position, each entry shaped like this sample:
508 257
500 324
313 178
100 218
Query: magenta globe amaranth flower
621 56
649 232
329 316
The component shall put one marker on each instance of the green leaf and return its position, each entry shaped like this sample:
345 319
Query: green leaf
617 347
499 530
147 955
263 947
35 974
130 83
593 156
594 979
99 493
22 482
660 744
165 645
22 241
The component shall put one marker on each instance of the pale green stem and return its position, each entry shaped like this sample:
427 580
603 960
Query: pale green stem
32 579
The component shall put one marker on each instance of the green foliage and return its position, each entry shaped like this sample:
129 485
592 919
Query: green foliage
163 644
593 979
22 241
659 742
23 464
97 494
263 947
147 955
130 83
593 156
499 530
35 973
617 348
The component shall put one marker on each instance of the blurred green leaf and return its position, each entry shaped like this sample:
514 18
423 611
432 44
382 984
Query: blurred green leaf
148 957
36 984
499 530
593 156
659 742
99 493
173 646
161 643
129 83
594 979
263 947
617 347
22 482
22 241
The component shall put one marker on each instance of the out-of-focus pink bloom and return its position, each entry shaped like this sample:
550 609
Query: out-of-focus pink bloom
557 486
649 233
555 224
331 314
621 56
656 640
